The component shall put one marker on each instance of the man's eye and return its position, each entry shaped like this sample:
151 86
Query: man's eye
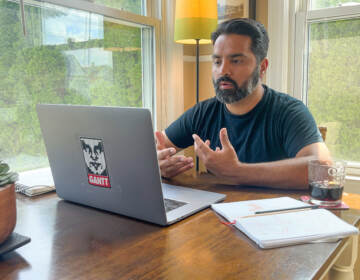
216 62
237 61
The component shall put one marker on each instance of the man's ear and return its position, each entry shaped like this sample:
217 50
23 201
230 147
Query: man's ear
263 67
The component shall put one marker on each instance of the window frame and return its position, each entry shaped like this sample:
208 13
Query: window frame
152 89
303 19
299 47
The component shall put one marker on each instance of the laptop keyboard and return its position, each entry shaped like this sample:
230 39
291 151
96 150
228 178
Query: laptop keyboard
172 204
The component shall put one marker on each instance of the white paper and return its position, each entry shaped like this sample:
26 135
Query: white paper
283 229
37 177
235 210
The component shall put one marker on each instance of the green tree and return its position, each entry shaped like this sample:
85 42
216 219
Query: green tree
334 87
321 4
133 6
32 73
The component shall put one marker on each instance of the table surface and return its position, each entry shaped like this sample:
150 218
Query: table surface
70 241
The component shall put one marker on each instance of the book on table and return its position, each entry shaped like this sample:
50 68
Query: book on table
35 182
283 228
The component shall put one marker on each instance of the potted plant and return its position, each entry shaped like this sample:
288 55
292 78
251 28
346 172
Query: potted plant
7 201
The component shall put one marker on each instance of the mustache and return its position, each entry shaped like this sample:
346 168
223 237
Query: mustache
225 79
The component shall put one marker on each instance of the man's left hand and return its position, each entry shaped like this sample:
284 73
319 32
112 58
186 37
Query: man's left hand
221 162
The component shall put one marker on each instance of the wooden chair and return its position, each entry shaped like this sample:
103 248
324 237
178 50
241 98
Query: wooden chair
323 130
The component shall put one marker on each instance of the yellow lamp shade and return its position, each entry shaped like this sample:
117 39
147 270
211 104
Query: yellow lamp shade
195 19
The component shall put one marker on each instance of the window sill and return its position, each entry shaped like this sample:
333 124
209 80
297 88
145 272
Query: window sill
352 184
353 169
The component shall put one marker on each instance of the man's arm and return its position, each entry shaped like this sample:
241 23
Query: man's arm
170 164
287 174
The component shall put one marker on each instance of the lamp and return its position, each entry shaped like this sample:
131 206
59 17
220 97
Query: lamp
194 22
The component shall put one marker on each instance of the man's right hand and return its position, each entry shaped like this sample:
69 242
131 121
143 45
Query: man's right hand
170 164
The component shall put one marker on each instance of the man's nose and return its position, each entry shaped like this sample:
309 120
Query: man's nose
225 69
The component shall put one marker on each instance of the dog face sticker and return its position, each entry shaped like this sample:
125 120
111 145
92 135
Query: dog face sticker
94 155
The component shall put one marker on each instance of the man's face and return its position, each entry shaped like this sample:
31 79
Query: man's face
94 155
235 71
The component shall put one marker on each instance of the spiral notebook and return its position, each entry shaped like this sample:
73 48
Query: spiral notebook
35 182
283 228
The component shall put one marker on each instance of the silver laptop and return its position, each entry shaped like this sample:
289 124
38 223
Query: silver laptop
105 157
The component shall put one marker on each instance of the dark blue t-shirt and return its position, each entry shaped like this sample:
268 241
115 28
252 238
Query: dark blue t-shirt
278 127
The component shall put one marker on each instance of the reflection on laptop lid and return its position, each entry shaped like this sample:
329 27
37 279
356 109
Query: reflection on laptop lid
105 157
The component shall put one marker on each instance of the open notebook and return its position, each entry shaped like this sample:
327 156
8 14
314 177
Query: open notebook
283 229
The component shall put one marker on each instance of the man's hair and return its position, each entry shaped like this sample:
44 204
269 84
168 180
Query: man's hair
249 27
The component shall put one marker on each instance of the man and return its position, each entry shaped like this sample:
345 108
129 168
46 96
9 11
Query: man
249 134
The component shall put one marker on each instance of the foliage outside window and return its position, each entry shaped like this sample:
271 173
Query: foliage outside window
323 4
132 6
68 57
333 84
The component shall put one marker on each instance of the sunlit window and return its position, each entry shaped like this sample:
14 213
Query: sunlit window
333 94
68 56
323 4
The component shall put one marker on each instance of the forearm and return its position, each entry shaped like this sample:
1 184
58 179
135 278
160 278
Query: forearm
287 174
167 142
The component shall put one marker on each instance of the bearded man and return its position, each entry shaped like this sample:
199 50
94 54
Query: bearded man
249 134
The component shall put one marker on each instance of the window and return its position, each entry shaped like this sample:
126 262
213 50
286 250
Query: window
322 4
330 75
132 6
86 54
333 91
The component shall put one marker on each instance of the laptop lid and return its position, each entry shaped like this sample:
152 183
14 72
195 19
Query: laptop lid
98 159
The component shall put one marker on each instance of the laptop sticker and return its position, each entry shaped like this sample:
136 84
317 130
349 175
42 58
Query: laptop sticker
94 155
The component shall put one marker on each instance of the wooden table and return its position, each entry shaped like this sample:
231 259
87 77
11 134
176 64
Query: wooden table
70 241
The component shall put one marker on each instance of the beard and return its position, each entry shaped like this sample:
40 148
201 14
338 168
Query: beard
229 96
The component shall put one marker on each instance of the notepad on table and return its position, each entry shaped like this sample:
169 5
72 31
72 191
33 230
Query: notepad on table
283 228
35 182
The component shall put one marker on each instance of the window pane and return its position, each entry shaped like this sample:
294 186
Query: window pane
67 57
133 6
334 84
322 4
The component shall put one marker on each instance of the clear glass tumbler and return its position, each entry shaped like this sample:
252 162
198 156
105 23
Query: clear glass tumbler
326 182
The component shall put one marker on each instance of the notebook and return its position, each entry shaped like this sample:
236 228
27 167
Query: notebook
35 182
287 228
105 157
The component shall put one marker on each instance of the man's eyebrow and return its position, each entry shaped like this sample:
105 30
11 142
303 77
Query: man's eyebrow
237 54
214 56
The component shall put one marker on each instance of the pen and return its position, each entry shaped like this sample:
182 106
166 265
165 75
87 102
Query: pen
287 209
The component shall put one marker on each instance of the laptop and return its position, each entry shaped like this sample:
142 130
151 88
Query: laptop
105 157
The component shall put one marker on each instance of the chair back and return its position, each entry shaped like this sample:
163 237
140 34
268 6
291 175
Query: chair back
323 130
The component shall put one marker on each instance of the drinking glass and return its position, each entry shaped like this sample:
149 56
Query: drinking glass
326 182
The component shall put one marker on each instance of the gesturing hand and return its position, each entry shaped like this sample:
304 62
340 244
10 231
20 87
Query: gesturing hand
169 163
221 162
